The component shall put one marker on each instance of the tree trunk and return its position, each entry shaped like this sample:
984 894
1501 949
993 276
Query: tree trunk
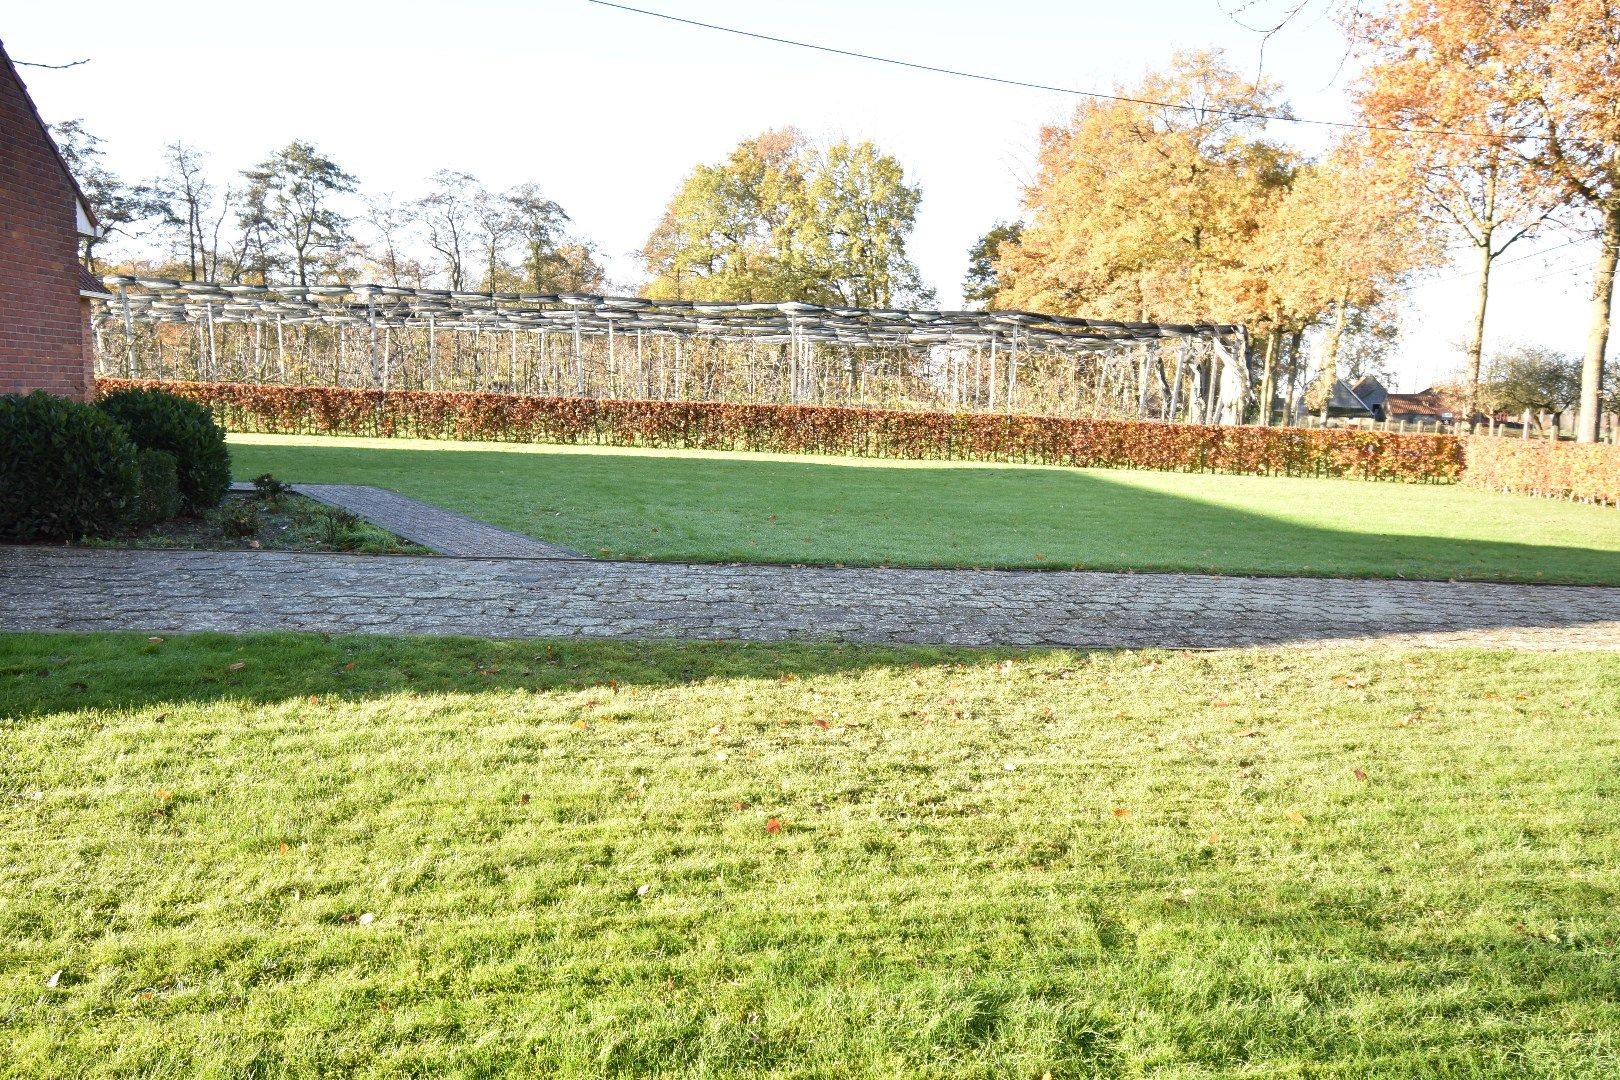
1476 338
1233 381
1330 355
1597 339
1268 377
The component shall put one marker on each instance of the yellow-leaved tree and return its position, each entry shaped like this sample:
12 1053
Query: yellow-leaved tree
781 219
1441 66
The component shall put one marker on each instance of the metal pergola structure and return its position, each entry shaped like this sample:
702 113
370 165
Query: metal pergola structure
613 330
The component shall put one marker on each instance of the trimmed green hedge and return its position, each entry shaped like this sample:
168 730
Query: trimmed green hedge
160 487
67 470
158 420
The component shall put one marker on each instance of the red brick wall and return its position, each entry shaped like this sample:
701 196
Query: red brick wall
43 331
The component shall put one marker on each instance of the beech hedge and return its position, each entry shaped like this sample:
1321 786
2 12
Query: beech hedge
807 429
1586 472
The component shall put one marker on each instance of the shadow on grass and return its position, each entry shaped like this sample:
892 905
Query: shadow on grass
667 506
44 673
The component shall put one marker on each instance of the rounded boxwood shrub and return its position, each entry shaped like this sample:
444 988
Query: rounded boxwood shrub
160 487
66 470
157 420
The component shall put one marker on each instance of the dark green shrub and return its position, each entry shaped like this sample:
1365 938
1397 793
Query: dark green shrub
157 420
160 487
66 470
268 488
240 519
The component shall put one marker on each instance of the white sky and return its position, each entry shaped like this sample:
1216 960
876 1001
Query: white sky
609 110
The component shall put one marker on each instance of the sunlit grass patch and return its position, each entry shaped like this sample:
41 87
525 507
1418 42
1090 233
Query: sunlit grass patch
290 854
716 506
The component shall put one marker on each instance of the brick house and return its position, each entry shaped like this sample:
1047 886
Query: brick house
46 342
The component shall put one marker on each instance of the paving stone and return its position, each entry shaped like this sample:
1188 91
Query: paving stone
177 591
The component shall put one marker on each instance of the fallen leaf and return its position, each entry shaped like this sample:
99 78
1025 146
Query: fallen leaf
1296 817
1122 812
283 849
56 978
164 794
238 666
313 700
821 723
1009 766
523 799
582 725
773 826
1213 838
739 806
721 756
160 717
367 919
155 640
1360 774
643 890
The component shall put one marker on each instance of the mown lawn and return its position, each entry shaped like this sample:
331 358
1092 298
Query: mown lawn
736 507
289 855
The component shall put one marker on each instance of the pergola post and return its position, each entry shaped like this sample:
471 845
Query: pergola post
129 333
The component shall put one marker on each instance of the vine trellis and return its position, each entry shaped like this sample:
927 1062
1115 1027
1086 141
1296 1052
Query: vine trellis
586 345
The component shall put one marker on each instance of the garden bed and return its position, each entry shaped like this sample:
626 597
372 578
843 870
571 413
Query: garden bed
282 522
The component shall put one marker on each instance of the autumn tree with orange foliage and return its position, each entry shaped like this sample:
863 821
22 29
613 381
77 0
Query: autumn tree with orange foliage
1143 212
1190 213
1567 67
1448 66
1338 245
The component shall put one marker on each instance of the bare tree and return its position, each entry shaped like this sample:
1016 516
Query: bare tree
390 225
495 231
538 223
294 188
117 205
446 212
190 211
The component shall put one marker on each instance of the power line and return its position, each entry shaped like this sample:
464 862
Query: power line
1498 263
1000 80
1539 254
1552 273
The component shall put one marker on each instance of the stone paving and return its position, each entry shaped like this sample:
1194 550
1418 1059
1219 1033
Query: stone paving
434 528
177 591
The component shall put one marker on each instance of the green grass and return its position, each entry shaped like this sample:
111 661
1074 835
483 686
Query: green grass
993 864
723 507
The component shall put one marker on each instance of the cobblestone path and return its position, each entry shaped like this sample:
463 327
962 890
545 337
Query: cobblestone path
176 591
